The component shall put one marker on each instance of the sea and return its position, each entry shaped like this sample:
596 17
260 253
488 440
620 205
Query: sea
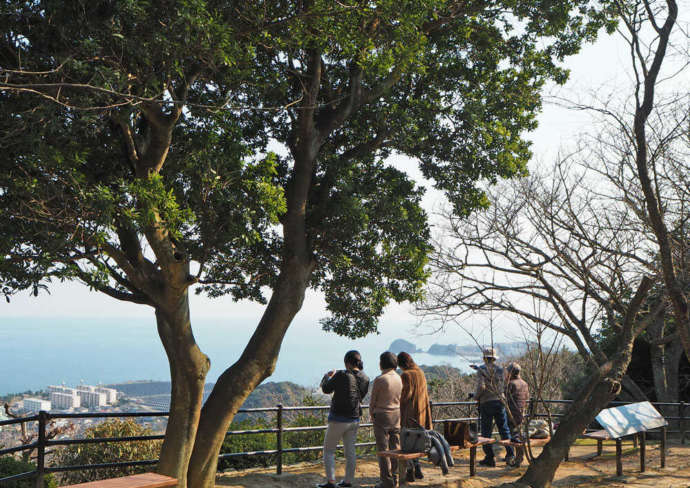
37 352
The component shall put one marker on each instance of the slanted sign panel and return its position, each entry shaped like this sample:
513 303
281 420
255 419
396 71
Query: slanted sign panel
629 419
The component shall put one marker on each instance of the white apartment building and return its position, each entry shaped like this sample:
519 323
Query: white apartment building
91 398
64 401
110 393
61 389
36 404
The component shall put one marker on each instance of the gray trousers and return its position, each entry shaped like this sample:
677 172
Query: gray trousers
387 434
347 431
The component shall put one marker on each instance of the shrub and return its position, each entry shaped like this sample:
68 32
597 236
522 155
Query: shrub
10 466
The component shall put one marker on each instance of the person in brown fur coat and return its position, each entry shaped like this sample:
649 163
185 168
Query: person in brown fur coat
415 410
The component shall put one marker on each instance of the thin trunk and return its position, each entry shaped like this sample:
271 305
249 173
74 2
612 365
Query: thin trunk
601 389
541 471
633 390
188 368
237 382
654 207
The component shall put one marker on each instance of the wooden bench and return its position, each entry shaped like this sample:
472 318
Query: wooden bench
403 457
520 447
144 480
634 419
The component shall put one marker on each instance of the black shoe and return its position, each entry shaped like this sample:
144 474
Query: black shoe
343 484
327 484
488 462
418 472
409 475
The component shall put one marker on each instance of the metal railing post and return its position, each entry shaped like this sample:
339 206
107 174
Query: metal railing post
681 422
41 448
279 439
431 412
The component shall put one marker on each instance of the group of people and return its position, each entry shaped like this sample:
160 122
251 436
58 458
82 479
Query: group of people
402 400
497 389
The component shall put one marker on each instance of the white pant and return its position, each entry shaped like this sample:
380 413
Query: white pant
347 431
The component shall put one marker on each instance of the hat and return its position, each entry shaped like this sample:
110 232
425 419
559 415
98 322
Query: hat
514 367
490 353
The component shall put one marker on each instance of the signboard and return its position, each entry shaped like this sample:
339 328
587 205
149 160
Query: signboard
629 419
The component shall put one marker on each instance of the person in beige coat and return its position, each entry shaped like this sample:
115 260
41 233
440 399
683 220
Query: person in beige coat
385 415
415 409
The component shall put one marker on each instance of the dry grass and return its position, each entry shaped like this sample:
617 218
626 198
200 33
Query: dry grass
583 470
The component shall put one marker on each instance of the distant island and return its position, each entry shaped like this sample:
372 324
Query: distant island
505 349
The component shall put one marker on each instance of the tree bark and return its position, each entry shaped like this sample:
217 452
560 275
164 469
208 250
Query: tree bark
188 369
256 364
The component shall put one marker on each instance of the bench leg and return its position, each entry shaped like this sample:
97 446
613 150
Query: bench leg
473 459
402 471
662 455
600 447
619 457
643 449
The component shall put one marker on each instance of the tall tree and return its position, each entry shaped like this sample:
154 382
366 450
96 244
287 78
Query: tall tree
114 174
148 173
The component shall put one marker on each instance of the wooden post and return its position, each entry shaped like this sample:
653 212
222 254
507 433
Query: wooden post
41 448
473 459
662 454
600 447
643 449
279 440
635 441
619 456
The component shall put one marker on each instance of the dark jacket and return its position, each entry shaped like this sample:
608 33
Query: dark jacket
348 388
517 396
490 383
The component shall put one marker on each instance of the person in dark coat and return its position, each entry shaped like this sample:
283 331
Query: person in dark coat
517 396
349 387
415 409
491 397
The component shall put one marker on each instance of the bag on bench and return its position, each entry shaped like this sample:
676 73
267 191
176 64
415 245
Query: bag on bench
414 440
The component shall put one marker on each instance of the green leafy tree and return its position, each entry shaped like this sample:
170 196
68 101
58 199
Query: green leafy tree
10 466
134 158
109 452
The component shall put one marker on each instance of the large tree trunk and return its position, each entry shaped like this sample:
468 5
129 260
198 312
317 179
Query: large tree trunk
188 369
256 363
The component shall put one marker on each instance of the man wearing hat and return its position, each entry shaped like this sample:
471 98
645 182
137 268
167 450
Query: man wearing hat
490 395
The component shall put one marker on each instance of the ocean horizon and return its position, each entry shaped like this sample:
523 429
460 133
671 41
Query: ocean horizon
37 352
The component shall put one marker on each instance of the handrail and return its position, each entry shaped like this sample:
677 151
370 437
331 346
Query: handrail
43 417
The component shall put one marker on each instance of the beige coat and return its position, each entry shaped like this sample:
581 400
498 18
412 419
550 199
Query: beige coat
414 400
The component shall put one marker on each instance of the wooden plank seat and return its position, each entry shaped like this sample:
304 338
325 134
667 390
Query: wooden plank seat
144 480
403 457
520 447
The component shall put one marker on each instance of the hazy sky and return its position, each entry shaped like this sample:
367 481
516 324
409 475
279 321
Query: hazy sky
601 68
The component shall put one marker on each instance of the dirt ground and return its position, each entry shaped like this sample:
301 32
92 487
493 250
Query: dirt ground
583 470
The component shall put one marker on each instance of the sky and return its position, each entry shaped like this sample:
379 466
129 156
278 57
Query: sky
599 69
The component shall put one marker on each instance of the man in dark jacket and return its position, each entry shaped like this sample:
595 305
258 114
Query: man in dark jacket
490 395
349 387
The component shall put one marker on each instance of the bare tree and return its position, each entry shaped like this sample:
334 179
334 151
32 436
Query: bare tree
551 250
